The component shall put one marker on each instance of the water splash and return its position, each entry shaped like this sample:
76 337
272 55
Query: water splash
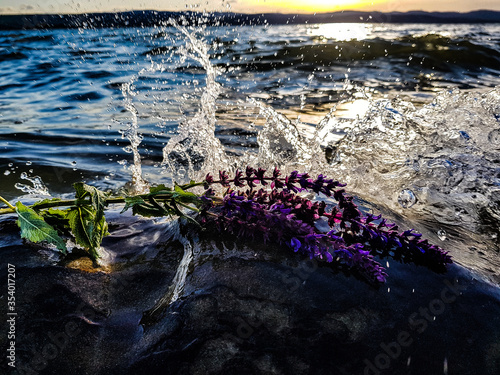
37 187
280 141
139 185
176 289
289 145
434 163
443 152
439 160
195 150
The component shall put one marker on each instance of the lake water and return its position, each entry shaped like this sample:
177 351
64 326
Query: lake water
407 115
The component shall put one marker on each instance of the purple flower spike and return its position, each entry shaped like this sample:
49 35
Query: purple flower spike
208 181
282 217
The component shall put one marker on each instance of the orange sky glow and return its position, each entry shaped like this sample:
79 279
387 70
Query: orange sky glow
243 6
312 6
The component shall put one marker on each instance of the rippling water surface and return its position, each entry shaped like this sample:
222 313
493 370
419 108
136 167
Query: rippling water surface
407 115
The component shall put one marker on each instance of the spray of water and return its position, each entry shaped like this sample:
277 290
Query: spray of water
435 163
195 150
37 187
440 160
139 185
285 144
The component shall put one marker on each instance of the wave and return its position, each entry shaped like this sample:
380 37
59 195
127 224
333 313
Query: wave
431 52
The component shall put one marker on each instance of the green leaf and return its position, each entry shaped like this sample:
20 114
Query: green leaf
141 207
44 203
56 218
86 220
35 229
130 202
147 210
54 212
87 228
185 196
179 213
97 197
81 224
159 189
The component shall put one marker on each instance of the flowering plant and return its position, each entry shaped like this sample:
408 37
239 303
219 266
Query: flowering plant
276 213
284 217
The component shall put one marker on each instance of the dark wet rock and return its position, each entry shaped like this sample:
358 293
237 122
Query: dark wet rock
244 309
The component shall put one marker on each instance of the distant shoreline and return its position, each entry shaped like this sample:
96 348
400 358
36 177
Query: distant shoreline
156 18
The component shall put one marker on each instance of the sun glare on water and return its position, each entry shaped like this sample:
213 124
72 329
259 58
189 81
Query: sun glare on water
341 31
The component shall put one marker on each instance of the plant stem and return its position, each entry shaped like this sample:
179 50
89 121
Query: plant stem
5 211
163 195
188 207
7 203
191 185
74 202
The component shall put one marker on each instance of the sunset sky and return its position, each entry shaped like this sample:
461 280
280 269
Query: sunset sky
245 6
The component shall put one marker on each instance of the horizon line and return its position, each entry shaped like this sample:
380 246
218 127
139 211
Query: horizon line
250 13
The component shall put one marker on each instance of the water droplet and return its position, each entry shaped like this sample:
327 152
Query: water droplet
73 162
407 198
442 235
464 135
29 162
460 212
494 137
6 173
10 164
